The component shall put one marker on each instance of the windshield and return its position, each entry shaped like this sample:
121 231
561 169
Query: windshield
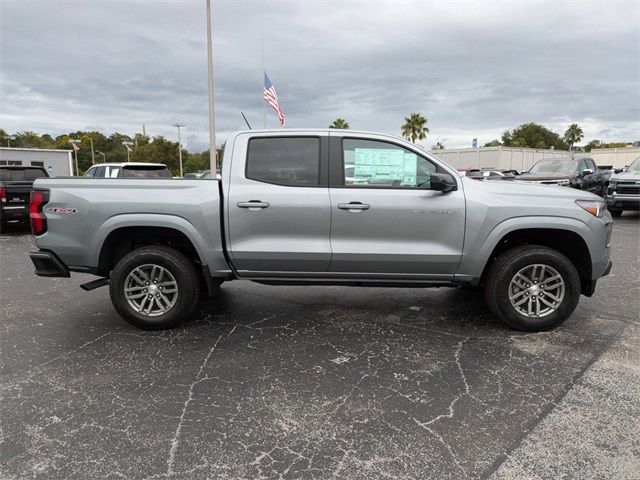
21 174
635 166
554 166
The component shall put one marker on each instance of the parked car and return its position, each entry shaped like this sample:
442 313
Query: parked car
284 214
624 190
16 183
579 172
128 170
207 175
479 174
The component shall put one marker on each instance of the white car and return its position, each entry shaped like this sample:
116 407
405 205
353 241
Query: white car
129 170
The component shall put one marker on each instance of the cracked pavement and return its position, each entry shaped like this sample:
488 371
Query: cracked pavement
318 382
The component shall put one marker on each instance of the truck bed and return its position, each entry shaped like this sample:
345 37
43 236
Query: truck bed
82 212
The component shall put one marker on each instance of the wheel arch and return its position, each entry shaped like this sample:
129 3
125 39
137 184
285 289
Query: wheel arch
121 235
564 240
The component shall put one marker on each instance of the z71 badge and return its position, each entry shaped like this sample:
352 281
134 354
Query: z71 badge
62 210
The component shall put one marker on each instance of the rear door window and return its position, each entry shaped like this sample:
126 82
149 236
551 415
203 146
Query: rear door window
287 161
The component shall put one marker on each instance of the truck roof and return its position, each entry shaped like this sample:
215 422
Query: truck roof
131 164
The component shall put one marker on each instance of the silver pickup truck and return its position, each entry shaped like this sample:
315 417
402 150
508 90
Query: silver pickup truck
323 207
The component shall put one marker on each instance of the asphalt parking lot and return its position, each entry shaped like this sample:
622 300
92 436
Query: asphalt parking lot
321 382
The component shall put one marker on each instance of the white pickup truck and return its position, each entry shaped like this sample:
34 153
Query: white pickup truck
321 207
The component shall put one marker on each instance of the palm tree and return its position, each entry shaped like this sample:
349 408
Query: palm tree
573 135
340 123
415 127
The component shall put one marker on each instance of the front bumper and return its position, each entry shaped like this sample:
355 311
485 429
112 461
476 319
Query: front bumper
48 264
623 202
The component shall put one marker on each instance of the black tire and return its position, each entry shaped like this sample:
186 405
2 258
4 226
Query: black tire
185 278
615 213
499 284
3 227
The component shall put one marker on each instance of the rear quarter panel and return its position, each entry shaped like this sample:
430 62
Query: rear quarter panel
83 211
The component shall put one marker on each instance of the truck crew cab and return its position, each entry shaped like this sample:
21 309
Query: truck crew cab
321 207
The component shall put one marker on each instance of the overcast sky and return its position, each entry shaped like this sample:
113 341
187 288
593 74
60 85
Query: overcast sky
473 68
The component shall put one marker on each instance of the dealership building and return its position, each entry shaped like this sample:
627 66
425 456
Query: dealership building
58 163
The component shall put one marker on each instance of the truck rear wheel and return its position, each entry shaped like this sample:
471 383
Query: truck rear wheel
532 288
154 287
615 212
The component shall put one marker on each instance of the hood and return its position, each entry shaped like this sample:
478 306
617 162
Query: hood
626 177
543 176
533 190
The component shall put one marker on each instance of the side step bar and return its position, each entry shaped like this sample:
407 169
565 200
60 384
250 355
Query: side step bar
101 282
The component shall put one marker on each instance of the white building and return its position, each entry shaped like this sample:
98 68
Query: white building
58 163
522 159
497 158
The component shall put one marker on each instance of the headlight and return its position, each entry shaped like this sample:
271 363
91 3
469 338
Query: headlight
594 207
565 181
612 186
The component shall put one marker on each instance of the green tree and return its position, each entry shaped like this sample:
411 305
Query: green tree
5 138
158 150
196 162
493 143
29 139
340 123
573 135
415 127
438 146
593 144
532 135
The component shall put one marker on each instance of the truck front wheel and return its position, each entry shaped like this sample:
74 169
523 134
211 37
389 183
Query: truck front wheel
532 288
154 287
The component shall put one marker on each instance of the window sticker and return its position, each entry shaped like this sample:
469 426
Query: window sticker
384 166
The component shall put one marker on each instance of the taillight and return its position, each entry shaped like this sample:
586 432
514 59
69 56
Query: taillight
37 200
3 195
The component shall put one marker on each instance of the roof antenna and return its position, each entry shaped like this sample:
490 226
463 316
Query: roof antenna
245 120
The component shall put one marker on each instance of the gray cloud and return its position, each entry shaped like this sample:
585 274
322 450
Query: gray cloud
473 68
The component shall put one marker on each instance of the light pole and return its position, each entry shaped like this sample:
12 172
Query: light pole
127 145
93 157
212 114
104 157
75 143
179 144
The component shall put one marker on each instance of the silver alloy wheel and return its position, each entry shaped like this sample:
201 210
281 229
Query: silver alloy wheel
151 290
536 290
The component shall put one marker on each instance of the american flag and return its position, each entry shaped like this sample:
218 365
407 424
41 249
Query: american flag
271 97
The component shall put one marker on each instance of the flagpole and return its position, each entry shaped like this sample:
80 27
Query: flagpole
264 106
213 153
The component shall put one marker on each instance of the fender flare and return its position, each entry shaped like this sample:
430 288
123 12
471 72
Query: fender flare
173 222
533 223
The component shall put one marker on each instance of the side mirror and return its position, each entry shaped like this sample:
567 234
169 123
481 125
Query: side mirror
587 171
442 182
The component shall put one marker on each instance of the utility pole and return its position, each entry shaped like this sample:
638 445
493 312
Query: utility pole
127 145
104 157
212 114
264 104
75 143
93 156
179 144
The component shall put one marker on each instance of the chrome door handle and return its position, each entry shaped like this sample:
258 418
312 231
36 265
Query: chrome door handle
251 204
354 206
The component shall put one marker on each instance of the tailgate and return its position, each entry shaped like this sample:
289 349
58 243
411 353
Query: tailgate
17 194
